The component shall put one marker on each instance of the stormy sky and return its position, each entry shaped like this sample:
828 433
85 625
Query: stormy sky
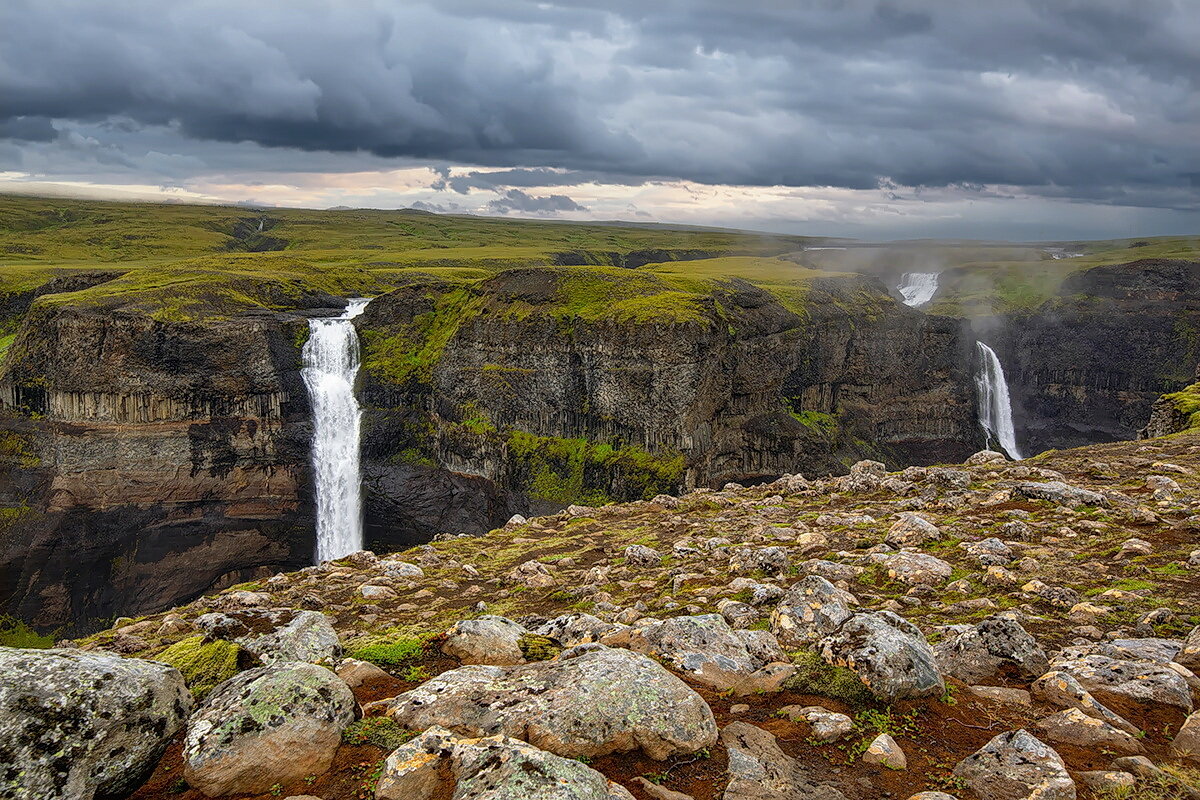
1021 119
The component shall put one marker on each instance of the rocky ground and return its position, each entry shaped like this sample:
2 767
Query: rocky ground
994 630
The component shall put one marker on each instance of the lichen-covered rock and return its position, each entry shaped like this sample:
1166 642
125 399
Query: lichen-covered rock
710 651
572 629
486 640
996 646
277 635
827 726
1016 766
760 770
912 530
914 569
810 609
1061 493
266 726
1063 690
1074 727
439 764
76 725
639 555
767 560
1144 681
590 701
533 574
889 654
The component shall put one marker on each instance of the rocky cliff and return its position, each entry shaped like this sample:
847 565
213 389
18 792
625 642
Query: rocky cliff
564 385
160 459
1087 365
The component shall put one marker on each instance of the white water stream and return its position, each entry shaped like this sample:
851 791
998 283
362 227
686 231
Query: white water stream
918 288
330 365
995 406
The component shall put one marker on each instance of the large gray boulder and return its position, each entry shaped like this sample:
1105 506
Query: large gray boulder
486 640
76 725
760 770
889 654
276 635
997 646
439 764
710 651
265 726
1016 766
590 701
811 609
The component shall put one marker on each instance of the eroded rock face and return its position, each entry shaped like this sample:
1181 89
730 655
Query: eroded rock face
1016 766
760 770
590 701
439 764
77 725
265 726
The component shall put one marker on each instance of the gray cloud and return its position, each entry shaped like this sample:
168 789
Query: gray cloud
515 200
1090 100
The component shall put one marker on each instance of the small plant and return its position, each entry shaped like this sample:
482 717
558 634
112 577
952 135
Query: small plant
415 673
276 790
177 786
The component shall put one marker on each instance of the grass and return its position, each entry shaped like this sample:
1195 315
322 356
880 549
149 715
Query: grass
15 633
390 654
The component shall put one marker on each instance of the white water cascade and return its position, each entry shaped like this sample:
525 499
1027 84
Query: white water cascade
330 365
995 407
918 288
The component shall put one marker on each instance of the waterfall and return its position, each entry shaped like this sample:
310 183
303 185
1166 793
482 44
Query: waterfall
918 288
995 408
330 365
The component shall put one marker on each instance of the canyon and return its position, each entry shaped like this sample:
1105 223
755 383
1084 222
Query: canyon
157 434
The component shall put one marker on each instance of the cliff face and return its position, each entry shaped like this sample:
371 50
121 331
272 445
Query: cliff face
158 460
1088 365
552 400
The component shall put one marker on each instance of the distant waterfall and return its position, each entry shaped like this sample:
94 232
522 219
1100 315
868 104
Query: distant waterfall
330 365
995 407
918 288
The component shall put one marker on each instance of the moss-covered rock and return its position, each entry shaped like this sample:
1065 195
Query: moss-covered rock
205 664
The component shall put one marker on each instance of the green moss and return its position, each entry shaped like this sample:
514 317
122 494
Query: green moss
818 421
538 648
815 676
204 665
15 633
382 732
409 352
16 448
390 654
1187 402
590 473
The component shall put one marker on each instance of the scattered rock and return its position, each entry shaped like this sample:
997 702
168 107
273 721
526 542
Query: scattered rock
810 610
996 646
486 640
1016 766
355 673
74 725
1060 493
572 629
888 653
266 726
533 574
638 555
1063 690
760 770
912 530
827 726
276 635
1074 727
1186 744
914 569
590 701
767 560
439 764
657 792
885 752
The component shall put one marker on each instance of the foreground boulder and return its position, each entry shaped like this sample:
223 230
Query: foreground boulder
276 635
760 770
889 654
713 653
266 726
486 640
590 701
77 725
1016 766
997 646
439 764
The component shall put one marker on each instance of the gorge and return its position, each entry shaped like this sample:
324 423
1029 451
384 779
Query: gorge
171 415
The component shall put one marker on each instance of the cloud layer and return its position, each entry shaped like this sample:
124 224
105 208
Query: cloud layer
1091 101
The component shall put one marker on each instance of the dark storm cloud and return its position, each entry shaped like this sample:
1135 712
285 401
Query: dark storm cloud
1087 99
524 203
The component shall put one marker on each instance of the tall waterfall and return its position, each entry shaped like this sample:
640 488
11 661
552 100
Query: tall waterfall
330 365
995 407
918 288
